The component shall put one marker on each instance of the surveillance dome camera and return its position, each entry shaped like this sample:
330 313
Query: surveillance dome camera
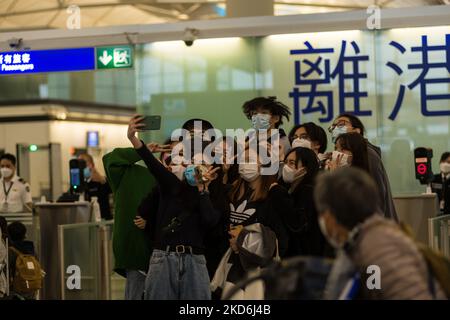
15 43
189 43
190 35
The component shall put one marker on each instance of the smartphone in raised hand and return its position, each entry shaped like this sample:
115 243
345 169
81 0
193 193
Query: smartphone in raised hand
151 123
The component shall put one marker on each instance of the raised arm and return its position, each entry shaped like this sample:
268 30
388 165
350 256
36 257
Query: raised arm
165 178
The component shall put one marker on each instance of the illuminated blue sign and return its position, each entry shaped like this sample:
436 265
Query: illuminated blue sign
92 139
58 60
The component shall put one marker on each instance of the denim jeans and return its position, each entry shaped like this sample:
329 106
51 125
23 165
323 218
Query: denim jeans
177 276
134 288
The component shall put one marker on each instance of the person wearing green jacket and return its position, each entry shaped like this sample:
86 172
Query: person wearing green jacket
130 183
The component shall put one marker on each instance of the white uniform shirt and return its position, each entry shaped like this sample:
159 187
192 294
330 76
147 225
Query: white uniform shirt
14 195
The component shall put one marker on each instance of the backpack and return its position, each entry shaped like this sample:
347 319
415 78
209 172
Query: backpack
438 264
28 273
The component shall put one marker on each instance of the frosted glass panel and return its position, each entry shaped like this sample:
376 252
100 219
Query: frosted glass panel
397 81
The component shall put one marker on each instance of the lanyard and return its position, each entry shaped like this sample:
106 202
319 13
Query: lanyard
351 288
7 192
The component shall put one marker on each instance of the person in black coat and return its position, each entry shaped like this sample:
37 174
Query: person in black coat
184 215
441 183
299 172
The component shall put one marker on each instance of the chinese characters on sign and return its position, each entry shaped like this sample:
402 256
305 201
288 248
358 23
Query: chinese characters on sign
315 77
54 60
15 61
65 60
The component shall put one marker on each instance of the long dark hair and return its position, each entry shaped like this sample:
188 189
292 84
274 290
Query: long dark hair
355 143
240 186
309 161
355 121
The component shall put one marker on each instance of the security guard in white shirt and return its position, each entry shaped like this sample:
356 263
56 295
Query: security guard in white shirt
15 194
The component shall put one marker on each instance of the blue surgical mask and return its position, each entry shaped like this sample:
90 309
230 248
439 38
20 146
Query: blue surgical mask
337 131
261 121
190 175
87 173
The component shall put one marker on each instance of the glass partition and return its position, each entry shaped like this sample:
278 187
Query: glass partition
439 231
86 264
397 81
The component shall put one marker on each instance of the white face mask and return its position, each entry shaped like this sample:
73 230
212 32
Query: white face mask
445 167
178 170
289 174
249 171
337 131
344 159
6 172
323 228
304 143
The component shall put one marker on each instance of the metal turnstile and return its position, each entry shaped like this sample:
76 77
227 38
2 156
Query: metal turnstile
415 210
48 216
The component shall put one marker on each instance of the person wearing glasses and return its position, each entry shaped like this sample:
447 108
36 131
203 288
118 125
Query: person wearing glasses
346 123
311 136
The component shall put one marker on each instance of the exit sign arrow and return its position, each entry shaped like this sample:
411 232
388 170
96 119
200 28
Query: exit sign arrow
114 57
106 58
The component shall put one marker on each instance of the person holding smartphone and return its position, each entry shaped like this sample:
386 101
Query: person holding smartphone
185 213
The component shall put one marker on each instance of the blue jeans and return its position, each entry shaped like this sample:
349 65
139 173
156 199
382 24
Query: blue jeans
174 276
134 288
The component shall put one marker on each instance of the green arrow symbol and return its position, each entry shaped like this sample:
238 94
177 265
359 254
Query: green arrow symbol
105 59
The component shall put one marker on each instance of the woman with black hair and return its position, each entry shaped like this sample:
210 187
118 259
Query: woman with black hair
299 173
184 215
347 123
351 150
256 228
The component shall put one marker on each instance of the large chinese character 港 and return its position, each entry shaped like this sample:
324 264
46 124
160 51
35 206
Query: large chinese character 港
424 80
398 71
314 75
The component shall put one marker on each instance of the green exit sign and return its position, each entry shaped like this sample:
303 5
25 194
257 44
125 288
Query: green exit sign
114 57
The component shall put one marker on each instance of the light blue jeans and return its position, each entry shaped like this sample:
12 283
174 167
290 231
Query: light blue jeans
174 276
134 288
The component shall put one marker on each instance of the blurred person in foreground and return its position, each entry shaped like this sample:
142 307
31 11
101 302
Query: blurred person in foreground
346 200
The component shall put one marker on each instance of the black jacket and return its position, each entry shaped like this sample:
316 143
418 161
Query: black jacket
176 199
441 187
102 192
216 238
381 179
305 237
